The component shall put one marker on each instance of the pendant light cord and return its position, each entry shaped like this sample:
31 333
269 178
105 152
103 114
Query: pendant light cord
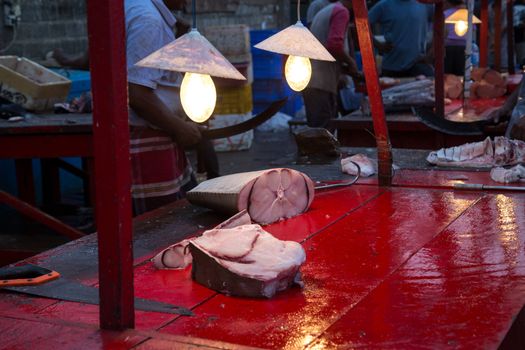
194 14
298 10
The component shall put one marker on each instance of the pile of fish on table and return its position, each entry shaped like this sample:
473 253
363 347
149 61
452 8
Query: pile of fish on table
486 84
412 94
239 257
486 154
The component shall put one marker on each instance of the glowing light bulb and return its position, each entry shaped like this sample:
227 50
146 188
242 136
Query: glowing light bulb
198 96
298 72
461 27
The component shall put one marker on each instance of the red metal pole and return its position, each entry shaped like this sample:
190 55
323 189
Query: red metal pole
439 59
484 35
384 149
497 35
112 163
510 37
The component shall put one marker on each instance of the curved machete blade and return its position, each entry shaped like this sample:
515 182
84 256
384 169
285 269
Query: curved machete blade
427 117
246 125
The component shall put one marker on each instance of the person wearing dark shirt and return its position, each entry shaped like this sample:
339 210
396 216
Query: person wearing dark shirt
405 24
330 27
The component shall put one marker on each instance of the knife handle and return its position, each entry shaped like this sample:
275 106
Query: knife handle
26 275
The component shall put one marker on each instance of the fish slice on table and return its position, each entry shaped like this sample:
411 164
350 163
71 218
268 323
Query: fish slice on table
267 195
484 154
237 258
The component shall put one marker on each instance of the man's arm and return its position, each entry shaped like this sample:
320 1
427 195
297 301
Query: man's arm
150 107
374 16
336 41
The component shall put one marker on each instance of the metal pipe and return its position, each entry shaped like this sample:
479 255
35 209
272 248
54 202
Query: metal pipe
439 59
343 184
468 53
510 37
479 187
194 13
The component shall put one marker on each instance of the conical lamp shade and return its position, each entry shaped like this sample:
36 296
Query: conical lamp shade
461 15
192 53
296 40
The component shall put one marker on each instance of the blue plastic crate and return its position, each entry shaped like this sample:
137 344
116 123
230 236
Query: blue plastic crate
294 103
264 90
80 81
267 66
256 36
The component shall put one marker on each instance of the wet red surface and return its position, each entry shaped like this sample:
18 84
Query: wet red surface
468 282
406 267
438 178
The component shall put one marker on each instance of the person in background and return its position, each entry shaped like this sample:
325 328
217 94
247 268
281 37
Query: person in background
454 44
314 7
510 118
159 128
405 24
160 131
330 27
519 31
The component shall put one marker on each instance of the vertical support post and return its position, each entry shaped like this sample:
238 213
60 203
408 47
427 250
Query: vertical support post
484 35
107 60
468 52
384 149
439 59
497 35
50 182
25 181
510 37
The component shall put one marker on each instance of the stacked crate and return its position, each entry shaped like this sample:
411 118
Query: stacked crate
269 83
234 97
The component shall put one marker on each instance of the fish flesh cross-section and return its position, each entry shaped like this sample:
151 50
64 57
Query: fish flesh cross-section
267 195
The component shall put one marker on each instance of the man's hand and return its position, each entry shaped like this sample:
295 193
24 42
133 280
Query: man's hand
518 130
383 47
189 134
151 108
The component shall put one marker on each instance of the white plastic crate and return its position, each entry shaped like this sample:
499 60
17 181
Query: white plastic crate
31 85
233 143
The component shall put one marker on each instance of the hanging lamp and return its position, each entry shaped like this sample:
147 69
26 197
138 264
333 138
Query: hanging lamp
460 20
300 45
195 56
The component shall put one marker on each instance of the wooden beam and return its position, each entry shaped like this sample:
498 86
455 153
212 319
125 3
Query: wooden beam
107 60
497 35
484 35
384 149
36 214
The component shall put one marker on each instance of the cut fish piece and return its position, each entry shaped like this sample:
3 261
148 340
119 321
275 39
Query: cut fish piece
366 165
177 256
503 175
268 195
484 154
476 154
271 265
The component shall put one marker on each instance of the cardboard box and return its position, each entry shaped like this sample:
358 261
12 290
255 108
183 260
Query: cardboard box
31 85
